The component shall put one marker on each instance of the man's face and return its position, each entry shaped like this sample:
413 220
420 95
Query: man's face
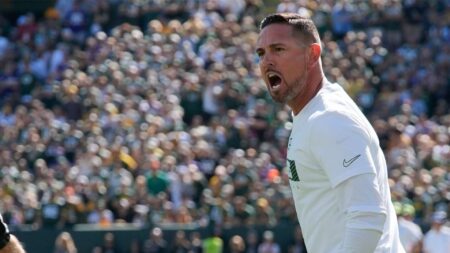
282 63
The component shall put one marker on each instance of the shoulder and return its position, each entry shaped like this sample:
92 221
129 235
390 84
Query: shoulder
335 121
331 101
446 230
334 110
429 234
332 94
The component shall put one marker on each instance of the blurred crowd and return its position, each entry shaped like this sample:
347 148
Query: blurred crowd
154 112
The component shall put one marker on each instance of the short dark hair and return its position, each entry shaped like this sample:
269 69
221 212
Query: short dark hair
302 26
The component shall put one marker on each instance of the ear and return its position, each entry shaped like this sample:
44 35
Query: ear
314 53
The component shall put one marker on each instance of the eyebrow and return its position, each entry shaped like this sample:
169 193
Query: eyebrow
271 46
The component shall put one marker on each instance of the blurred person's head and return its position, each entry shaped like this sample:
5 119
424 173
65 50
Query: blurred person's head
195 239
64 241
155 26
155 164
438 219
51 14
109 241
268 236
405 210
240 203
180 236
252 237
156 234
237 244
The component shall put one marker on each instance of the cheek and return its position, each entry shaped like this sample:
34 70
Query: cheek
261 73
294 70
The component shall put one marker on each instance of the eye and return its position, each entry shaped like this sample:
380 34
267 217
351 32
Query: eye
279 49
259 53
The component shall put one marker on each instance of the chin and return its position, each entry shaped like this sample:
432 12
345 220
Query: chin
278 99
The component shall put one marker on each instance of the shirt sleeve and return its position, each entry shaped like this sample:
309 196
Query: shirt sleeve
359 198
341 146
360 240
365 214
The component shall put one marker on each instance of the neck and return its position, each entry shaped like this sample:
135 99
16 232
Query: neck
314 84
437 227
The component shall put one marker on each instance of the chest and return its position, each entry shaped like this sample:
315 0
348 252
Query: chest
303 167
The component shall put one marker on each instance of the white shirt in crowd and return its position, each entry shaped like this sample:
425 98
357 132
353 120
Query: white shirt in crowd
437 241
410 234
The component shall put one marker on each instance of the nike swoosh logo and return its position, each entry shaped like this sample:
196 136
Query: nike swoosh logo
349 162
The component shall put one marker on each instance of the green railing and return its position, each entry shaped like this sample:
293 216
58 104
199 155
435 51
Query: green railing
23 6
87 237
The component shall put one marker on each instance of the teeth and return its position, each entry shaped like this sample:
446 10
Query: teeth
271 74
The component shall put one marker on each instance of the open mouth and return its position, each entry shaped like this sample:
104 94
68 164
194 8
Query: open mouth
274 80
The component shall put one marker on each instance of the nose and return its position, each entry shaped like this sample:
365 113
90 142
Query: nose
266 61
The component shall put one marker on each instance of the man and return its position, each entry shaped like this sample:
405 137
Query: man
437 240
8 242
336 167
410 233
268 245
213 243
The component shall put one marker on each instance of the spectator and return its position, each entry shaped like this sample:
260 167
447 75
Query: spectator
196 242
268 245
181 244
237 244
437 240
155 243
65 244
342 14
213 243
109 244
410 233
252 242
298 243
244 213
156 179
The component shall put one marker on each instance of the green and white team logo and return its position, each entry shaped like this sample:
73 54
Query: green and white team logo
292 171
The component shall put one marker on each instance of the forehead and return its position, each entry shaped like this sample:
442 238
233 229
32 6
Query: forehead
275 34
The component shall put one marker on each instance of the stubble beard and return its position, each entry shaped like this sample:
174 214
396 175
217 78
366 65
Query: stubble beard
294 89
